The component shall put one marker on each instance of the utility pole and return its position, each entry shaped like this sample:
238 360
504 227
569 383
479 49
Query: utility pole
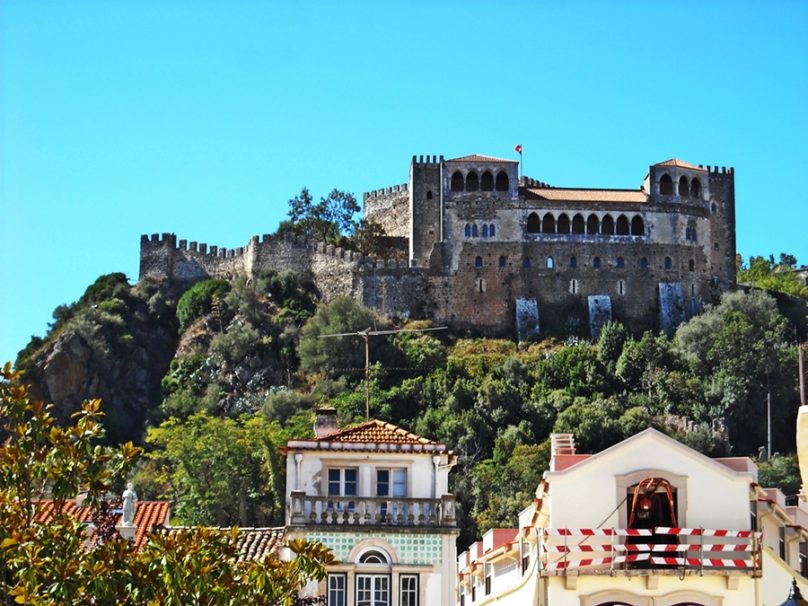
801 349
365 335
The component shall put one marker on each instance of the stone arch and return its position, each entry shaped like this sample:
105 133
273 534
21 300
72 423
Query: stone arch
573 262
607 226
615 596
379 545
478 261
563 224
472 181
487 181
637 226
592 225
548 224
374 556
695 189
621 227
503 183
550 263
665 185
578 224
596 263
457 181
678 598
684 187
533 223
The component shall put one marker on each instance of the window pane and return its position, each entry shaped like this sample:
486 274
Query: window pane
409 590
333 482
350 482
400 483
336 590
382 482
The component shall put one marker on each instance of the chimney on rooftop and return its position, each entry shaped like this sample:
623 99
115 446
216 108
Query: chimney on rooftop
562 444
325 422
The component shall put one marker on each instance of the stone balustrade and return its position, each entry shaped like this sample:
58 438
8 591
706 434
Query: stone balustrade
311 510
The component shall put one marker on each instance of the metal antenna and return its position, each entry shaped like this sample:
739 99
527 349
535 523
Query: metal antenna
365 335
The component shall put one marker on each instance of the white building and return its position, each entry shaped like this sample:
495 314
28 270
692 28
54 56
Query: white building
377 496
647 522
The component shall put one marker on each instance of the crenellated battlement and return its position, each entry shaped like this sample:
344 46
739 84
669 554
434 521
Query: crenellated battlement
528 182
427 159
403 188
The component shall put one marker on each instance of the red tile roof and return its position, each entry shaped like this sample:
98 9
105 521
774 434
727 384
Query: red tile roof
481 158
681 164
257 543
377 432
147 515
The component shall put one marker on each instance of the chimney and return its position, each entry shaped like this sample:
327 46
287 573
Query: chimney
561 444
325 422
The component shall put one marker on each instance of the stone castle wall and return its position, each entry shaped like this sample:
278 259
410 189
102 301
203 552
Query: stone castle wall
390 208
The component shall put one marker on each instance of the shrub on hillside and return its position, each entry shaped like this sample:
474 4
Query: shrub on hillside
196 301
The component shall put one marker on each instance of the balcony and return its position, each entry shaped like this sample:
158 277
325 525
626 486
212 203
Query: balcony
310 510
683 550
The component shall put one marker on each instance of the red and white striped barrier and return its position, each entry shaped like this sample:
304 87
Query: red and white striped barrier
696 562
693 532
598 532
585 563
646 547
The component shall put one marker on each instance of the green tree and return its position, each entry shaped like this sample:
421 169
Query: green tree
326 220
51 564
220 471
197 300
781 472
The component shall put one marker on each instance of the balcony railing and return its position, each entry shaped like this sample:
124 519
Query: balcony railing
312 510
599 550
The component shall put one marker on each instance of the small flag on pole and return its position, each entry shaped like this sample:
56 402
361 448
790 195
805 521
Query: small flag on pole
518 149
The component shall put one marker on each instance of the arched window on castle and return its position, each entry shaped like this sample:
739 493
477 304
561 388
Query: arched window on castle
713 208
573 262
487 181
622 225
485 230
457 181
607 226
563 224
668 263
550 263
429 194
643 263
574 286
621 263
684 187
695 189
468 230
492 230
691 265
526 262
478 262
637 226
592 225
548 225
474 231
503 261
502 181
665 185
578 224
472 181
533 223
621 287
596 262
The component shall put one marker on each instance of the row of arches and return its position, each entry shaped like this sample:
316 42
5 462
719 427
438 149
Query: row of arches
686 188
483 182
593 225
597 263
488 230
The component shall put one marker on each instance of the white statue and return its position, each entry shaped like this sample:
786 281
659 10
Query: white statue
129 499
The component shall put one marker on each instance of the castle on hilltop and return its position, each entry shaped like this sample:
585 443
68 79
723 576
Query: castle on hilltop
490 251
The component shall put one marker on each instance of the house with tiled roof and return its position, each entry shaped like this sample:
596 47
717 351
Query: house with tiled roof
378 496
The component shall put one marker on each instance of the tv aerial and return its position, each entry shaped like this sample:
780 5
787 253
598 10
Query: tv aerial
365 335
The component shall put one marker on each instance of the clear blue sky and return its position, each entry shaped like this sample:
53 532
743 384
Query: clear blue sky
203 118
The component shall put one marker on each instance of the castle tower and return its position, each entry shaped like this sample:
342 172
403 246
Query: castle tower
722 227
426 207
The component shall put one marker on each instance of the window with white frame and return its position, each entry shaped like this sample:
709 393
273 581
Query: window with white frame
391 482
372 590
342 482
408 590
488 570
337 592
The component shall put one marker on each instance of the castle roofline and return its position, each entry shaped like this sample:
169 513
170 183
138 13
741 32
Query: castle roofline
681 164
481 158
562 194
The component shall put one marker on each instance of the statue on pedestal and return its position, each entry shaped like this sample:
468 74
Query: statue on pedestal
129 504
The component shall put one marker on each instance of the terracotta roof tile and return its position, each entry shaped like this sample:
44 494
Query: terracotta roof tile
481 158
257 543
632 196
148 514
376 431
681 164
